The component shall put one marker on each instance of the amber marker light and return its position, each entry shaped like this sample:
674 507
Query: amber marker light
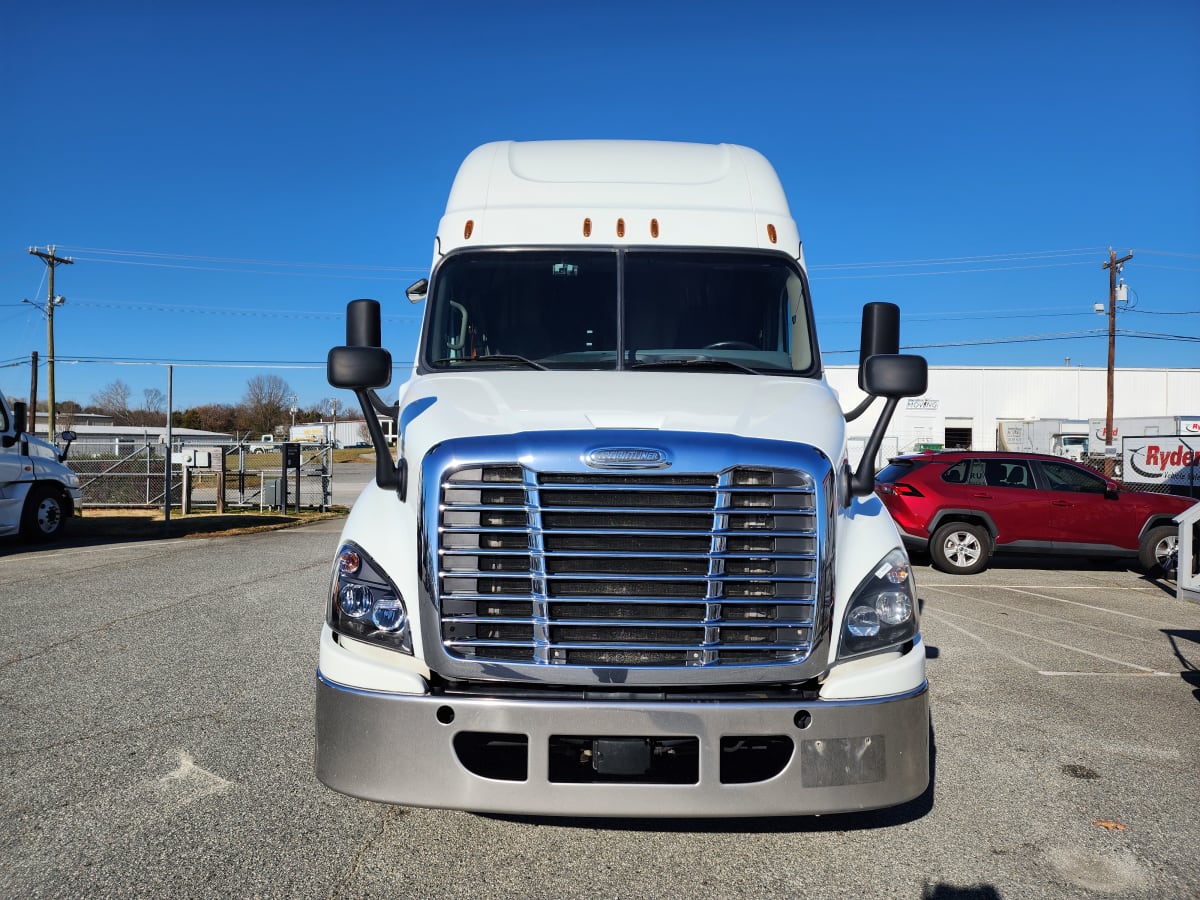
620 228
654 228
587 227
468 228
771 235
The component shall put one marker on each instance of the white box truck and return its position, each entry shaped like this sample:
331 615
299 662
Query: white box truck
38 491
1067 438
621 565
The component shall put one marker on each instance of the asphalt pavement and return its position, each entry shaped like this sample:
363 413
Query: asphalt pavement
156 740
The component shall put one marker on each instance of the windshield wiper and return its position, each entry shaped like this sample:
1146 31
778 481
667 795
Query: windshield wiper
492 358
696 362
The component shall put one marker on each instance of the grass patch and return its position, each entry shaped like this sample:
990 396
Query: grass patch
143 524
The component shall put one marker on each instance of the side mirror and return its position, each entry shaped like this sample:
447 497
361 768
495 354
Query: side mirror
890 376
895 375
362 364
359 368
69 437
417 290
1112 490
20 417
880 336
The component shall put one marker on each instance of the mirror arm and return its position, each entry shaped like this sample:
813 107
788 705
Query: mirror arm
860 409
387 474
381 407
862 482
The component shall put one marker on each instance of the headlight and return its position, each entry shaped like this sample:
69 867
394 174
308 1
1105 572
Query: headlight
883 609
364 604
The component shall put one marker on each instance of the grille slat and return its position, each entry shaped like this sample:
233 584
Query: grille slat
628 570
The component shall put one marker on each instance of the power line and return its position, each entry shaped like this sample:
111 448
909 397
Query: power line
227 311
233 260
251 271
952 271
956 260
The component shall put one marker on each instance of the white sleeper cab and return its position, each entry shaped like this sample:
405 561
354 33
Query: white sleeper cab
38 492
619 564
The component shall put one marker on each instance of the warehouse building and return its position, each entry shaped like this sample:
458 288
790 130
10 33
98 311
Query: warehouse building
964 404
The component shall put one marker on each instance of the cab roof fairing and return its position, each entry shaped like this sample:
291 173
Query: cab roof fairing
540 193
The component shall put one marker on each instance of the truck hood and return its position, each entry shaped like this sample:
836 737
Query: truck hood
37 447
437 407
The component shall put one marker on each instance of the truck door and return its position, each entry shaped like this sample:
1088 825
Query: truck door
12 469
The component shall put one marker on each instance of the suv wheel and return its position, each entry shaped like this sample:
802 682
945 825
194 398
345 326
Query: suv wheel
1159 549
960 548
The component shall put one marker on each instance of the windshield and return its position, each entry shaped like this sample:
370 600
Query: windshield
610 309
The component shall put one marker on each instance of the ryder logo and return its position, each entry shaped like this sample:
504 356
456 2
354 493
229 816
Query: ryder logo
1163 462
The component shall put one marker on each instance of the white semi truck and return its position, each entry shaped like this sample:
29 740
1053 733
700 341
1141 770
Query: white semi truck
621 565
1067 438
38 491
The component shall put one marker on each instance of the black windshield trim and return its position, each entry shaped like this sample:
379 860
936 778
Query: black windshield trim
815 370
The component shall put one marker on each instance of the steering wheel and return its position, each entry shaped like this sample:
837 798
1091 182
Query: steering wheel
730 345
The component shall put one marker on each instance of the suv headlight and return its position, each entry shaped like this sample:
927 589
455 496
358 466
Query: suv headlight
364 604
882 610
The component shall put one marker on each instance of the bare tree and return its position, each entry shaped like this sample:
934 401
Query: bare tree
154 401
113 400
152 411
220 417
266 404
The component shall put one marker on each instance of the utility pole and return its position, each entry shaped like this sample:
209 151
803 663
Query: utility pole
33 364
1114 266
47 256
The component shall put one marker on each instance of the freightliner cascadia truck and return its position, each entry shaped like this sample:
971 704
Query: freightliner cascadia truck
620 564
38 491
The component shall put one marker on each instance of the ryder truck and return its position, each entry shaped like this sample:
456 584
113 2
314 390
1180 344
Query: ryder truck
621 565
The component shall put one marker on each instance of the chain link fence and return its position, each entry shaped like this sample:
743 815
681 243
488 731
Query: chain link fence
122 473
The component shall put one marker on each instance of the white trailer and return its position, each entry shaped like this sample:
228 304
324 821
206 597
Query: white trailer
1067 438
622 565
345 433
1140 426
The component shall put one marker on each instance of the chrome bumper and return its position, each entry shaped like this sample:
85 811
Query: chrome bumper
845 755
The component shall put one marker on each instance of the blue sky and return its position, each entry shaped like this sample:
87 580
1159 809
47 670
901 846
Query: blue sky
227 175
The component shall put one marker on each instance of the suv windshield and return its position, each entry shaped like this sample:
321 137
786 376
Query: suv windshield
610 309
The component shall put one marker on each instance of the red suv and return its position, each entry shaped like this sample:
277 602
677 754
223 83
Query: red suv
964 505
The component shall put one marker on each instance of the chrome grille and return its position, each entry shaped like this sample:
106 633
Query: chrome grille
627 570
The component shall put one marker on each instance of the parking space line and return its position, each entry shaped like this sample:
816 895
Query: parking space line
988 644
1092 606
1059 644
1117 674
1030 612
1036 587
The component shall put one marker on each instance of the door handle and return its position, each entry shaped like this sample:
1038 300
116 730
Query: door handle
982 495
1061 503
